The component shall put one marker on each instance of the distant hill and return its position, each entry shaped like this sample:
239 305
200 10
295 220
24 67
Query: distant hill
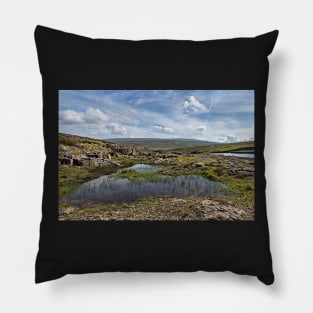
159 144
77 144
244 146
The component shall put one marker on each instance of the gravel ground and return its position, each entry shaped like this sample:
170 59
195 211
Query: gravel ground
160 208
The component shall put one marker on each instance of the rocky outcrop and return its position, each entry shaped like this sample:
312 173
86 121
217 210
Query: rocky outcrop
241 172
97 158
117 150
91 159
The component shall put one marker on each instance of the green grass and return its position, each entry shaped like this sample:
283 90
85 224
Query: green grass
72 140
71 177
186 159
222 147
137 176
160 144
75 144
242 187
67 189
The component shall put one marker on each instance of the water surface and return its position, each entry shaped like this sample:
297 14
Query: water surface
110 189
142 168
240 155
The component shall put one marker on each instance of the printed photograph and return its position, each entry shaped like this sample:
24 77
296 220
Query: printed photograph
156 155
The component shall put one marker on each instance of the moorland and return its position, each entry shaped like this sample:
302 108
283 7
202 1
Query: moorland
155 179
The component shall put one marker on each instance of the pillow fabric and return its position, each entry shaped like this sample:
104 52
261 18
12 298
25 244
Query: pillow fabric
154 155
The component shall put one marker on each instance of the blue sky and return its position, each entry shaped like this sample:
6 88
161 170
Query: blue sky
214 115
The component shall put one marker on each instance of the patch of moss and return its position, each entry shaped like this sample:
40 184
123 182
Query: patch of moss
218 147
242 187
138 176
185 158
71 177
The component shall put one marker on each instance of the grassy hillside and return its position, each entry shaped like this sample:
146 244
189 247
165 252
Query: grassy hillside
158 143
77 145
71 177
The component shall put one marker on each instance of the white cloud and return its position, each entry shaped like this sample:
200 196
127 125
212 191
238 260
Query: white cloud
70 117
95 116
90 116
117 129
228 139
192 105
201 128
163 128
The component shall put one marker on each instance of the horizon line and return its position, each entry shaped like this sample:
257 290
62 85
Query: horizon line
172 138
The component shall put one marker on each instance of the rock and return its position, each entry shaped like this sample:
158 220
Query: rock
93 162
114 162
65 161
77 162
245 173
222 216
206 202
62 148
68 210
176 200
199 164
242 213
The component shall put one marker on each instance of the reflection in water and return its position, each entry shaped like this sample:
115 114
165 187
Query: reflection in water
240 155
142 168
109 189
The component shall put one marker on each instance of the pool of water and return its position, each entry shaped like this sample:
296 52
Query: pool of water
142 168
110 189
240 155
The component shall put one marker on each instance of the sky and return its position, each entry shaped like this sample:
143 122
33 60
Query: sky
212 115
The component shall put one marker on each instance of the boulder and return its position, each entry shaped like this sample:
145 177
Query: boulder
77 162
62 148
199 164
